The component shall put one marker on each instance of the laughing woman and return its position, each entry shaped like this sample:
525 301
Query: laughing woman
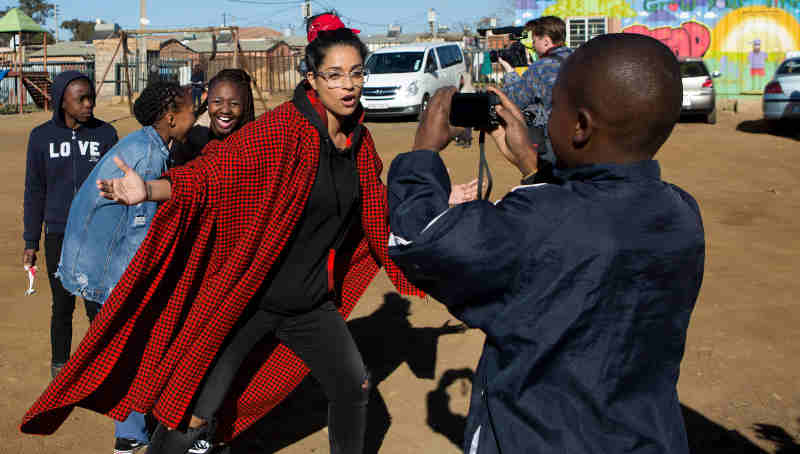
287 218
230 106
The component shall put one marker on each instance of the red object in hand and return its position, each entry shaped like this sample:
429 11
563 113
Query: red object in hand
31 270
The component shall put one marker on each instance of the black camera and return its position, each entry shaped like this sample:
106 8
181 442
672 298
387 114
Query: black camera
513 54
475 110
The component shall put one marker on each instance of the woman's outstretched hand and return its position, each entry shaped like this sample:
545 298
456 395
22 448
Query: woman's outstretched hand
128 190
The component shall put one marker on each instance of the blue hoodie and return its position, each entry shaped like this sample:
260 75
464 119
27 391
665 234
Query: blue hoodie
59 159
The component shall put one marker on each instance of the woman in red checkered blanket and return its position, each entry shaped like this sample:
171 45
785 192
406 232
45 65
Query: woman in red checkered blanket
296 304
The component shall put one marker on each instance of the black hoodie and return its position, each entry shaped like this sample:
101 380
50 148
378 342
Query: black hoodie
59 159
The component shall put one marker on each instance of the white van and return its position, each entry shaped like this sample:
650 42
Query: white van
402 79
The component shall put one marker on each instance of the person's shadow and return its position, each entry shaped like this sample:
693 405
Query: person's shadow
784 443
386 340
440 417
705 436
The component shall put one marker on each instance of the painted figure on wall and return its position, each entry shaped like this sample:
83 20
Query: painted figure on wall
757 60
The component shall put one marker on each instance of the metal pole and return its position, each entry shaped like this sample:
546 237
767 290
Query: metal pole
124 39
141 50
108 68
19 73
55 8
44 39
236 47
246 67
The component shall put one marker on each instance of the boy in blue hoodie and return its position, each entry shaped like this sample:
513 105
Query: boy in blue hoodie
583 285
61 153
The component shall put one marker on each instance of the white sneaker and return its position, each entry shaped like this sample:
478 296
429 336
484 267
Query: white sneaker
200 447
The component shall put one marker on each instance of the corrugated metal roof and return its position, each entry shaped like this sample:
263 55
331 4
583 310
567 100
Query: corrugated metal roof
67 49
296 41
204 46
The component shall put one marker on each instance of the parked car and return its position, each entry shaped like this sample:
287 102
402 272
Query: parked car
699 97
782 94
403 79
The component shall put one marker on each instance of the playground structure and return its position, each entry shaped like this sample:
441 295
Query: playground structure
35 83
238 62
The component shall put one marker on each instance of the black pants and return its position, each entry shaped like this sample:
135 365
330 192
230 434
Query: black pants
63 303
321 339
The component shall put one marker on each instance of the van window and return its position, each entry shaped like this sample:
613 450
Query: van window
457 57
394 62
430 64
444 56
449 55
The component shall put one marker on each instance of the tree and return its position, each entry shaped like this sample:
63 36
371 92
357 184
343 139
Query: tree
81 30
38 10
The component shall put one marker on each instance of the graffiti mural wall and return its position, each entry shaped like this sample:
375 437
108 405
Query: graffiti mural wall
745 40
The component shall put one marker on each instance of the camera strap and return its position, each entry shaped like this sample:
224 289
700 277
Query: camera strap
483 164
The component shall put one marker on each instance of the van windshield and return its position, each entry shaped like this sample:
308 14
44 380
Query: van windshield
394 62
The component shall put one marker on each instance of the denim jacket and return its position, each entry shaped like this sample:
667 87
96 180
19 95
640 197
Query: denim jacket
101 235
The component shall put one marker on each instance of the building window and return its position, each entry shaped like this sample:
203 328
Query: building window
582 29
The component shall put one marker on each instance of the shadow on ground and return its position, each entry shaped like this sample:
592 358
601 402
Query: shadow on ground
784 443
386 340
705 436
786 129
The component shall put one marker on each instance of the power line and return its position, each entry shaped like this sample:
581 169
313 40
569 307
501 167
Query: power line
343 16
270 2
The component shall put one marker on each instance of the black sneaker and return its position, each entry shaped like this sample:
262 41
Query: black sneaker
127 446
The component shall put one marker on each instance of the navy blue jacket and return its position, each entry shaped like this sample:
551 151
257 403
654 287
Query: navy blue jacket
59 159
583 287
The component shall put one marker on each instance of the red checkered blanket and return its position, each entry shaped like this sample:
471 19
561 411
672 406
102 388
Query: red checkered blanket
208 251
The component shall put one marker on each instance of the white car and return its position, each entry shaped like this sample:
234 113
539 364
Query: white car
782 93
401 80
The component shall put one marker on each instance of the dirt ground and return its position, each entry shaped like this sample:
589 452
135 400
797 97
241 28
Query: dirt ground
740 373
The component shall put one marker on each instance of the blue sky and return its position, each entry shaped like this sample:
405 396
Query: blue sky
370 16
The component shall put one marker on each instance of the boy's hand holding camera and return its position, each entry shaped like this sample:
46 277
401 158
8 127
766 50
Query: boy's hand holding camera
435 130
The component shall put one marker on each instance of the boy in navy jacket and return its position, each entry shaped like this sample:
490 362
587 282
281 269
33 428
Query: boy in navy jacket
583 285
61 153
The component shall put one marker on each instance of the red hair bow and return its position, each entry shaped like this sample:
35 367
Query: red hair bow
326 22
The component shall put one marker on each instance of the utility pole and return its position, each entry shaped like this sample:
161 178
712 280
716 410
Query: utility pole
224 20
141 51
306 9
55 9
432 22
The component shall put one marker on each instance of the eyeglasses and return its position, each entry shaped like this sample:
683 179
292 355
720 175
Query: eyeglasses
335 79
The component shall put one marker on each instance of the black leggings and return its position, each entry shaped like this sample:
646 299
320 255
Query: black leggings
321 339
63 303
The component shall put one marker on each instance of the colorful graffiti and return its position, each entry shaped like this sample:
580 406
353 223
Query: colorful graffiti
743 39
691 39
